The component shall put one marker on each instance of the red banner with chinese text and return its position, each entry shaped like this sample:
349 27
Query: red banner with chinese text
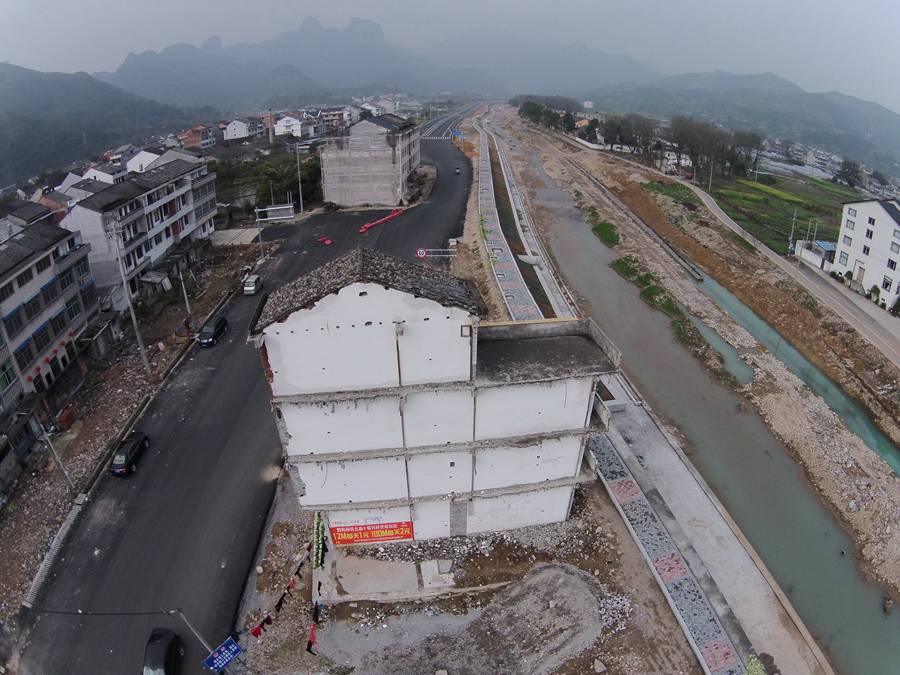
371 533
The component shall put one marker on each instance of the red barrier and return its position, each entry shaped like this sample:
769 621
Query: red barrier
393 214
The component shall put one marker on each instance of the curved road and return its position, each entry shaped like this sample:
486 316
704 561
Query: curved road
183 531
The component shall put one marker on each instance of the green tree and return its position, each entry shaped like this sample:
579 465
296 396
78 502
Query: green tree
365 114
568 122
848 173
880 180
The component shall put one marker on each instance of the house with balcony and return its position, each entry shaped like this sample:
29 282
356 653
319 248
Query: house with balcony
132 226
403 416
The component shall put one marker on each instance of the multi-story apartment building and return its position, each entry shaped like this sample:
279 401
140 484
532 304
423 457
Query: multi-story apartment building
403 416
47 295
141 220
336 118
374 162
868 246
243 129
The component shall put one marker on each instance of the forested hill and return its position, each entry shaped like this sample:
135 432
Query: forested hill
48 120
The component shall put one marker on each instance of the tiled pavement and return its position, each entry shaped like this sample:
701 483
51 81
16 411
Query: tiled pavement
709 640
516 295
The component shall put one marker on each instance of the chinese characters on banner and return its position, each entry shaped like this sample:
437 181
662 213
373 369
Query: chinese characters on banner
371 533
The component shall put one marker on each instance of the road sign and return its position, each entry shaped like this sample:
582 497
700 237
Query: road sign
421 253
221 656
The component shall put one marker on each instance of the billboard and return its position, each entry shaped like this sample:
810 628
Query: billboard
371 533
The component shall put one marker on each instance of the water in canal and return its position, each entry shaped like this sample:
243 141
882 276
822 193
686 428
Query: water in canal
749 469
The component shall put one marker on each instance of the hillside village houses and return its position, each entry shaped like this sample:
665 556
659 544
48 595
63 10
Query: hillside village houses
402 416
199 137
373 162
868 247
243 129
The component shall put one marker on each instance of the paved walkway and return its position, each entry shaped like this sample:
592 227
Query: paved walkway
748 602
560 300
518 298
687 599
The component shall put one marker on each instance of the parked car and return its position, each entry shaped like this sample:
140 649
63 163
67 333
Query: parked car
163 652
252 284
128 452
212 330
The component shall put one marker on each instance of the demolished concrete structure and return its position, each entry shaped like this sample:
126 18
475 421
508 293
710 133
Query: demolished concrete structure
402 416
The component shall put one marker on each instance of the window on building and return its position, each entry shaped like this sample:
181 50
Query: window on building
49 292
847 240
843 258
41 338
871 220
886 283
24 355
58 323
157 240
33 307
892 264
850 224
82 268
851 212
73 307
13 322
42 264
869 234
168 231
147 246
24 277
896 234
895 247
865 250
6 291
7 375
66 279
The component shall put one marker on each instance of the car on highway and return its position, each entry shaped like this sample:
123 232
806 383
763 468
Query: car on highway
212 330
163 652
128 452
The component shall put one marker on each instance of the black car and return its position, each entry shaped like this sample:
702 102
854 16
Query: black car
212 330
129 450
162 653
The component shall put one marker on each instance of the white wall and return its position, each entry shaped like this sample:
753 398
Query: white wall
435 417
342 426
507 512
353 481
141 161
348 341
549 459
532 408
235 130
431 520
440 473
884 248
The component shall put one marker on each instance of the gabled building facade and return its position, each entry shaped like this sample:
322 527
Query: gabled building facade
373 163
403 416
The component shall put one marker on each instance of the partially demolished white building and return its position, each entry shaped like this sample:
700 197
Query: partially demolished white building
403 416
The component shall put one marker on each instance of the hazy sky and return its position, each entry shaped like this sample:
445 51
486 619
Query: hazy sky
820 44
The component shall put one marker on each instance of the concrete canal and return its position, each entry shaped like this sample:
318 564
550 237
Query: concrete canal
749 469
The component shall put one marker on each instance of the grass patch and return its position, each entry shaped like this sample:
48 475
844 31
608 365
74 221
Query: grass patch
834 188
773 191
659 298
680 193
737 194
604 230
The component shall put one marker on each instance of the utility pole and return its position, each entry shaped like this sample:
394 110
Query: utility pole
710 176
116 233
791 238
187 303
259 230
58 459
299 184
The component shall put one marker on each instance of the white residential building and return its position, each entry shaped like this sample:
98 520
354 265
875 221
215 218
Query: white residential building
403 416
869 246
106 173
140 162
243 129
141 219
288 126
373 163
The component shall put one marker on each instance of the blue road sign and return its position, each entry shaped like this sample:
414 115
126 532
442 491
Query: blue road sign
222 655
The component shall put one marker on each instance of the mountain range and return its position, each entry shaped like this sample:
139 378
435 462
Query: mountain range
48 120
858 129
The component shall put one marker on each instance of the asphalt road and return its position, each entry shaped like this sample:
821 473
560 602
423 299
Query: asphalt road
182 532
